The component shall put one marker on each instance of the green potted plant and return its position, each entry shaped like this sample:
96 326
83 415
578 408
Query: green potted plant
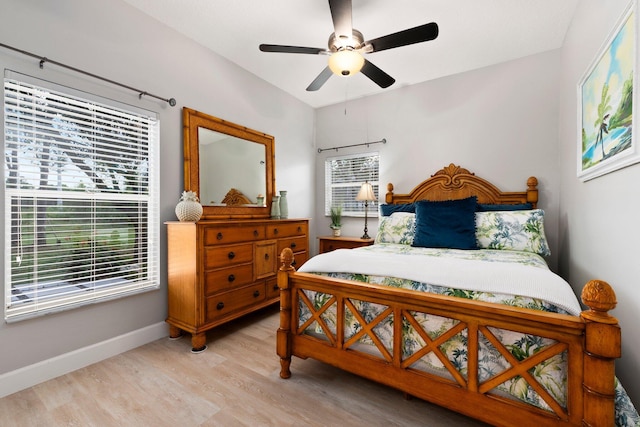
336 218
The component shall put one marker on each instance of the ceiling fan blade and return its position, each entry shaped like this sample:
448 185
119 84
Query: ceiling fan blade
320 80
292 49
341 15
378 76
413 35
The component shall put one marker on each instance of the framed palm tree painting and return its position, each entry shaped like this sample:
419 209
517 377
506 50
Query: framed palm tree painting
606 140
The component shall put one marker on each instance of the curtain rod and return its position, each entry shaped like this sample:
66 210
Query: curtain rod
141 93
382 141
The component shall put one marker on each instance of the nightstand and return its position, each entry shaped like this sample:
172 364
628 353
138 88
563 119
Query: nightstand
330 243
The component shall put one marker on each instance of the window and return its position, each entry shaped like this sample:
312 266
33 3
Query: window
81 198
343 177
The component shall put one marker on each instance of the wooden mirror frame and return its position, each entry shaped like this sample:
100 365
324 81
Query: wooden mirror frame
192 120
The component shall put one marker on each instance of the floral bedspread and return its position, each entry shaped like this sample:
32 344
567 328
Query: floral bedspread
551 374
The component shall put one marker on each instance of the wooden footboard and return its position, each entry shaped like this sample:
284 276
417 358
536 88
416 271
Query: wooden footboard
588 345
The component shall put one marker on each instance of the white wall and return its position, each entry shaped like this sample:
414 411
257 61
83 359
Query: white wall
599 233
114 40
499 122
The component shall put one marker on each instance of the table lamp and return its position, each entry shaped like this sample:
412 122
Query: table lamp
366 195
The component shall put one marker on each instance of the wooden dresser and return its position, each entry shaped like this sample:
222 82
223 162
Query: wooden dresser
219 270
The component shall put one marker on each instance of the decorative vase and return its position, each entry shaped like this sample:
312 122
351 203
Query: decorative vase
189 207
275 207
260 201
336 232
284 205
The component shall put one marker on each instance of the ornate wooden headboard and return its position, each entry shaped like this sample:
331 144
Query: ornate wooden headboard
454 182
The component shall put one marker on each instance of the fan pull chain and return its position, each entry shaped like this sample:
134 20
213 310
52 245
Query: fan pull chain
346 96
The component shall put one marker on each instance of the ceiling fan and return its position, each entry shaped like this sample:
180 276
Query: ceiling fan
347 46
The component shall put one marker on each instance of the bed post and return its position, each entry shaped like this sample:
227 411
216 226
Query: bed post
388 198
602 347
532 191
283 345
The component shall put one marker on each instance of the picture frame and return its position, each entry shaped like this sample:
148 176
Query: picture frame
606 139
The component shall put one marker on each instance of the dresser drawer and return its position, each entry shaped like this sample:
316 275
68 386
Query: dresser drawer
226 256
278 230
222 235
233 277
224 303
297 244
272 288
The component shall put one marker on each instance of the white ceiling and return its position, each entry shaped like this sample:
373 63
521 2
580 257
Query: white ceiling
473 34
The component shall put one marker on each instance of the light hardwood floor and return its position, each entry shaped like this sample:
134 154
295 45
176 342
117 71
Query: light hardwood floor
235 382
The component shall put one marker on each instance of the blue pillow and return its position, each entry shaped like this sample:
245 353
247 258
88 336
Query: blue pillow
446 224
482 207
387 210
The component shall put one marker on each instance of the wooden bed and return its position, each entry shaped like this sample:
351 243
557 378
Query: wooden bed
591 341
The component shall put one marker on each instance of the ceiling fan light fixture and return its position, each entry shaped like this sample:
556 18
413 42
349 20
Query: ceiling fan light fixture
346 62
347 47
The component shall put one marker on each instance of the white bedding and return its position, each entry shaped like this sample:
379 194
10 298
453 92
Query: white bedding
465 270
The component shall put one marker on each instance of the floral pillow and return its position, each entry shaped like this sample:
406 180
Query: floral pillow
512 230
397 228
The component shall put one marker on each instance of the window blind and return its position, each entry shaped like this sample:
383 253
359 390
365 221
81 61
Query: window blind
344 175
81 199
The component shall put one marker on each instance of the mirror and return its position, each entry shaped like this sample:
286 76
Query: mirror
220 153
229 166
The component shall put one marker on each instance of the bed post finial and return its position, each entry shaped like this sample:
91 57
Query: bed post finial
286 258
599 296
283 342
602 347
388 198
532 191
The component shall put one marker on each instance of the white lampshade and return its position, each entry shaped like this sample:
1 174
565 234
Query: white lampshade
366 193
346 62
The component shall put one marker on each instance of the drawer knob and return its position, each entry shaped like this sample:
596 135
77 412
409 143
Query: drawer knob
293 245
256 294
275 231
266 257
294 262
220 306
219 236
275 287
299 229
231 278
255 233
231 255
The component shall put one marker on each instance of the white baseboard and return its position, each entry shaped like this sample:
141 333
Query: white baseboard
29 376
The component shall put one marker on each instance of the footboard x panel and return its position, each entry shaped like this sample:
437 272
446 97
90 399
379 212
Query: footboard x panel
469 350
